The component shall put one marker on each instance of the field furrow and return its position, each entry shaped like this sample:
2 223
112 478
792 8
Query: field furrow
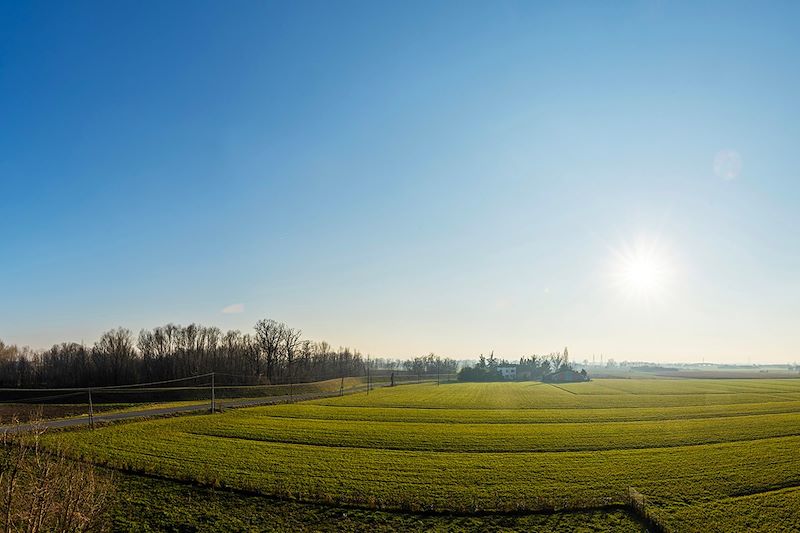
492 447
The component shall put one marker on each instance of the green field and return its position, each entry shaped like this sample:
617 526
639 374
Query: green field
147 505
721 452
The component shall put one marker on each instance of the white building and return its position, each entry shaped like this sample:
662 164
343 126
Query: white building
508 372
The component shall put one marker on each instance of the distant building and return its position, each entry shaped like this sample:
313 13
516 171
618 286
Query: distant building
508 372
565 376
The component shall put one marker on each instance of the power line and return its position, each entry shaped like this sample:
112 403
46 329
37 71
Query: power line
28 400
154 382
107 387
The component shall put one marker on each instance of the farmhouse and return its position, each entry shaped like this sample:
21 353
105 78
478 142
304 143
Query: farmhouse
565 376
508 372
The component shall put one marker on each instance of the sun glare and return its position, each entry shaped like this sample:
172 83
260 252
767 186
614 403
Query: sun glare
643 271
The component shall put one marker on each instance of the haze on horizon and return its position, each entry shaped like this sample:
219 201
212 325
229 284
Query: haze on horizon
456 177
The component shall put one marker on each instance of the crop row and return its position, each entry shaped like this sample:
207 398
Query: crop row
726 459
447 480
763 512
492 437
544 396
308 410
684 386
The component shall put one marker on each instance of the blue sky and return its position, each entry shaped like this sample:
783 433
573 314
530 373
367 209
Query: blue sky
406 177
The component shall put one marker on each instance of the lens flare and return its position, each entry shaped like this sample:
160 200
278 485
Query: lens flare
728 164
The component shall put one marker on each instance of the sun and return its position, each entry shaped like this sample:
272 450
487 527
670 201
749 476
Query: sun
643 270
642 273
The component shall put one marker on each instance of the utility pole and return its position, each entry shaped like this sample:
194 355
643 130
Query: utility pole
438 365
341 387
368 383
91 410
213 395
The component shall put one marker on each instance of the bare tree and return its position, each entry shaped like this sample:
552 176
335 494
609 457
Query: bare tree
174 351
269 335
291 341
114 354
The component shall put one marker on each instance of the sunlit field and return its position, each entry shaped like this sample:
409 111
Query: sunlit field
399 266
706 454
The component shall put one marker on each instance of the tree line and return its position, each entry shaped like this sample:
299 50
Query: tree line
274 353
528 368
418 366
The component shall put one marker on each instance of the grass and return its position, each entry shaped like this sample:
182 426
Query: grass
512 438
615 393
147 505
691 447
524 416
765 512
